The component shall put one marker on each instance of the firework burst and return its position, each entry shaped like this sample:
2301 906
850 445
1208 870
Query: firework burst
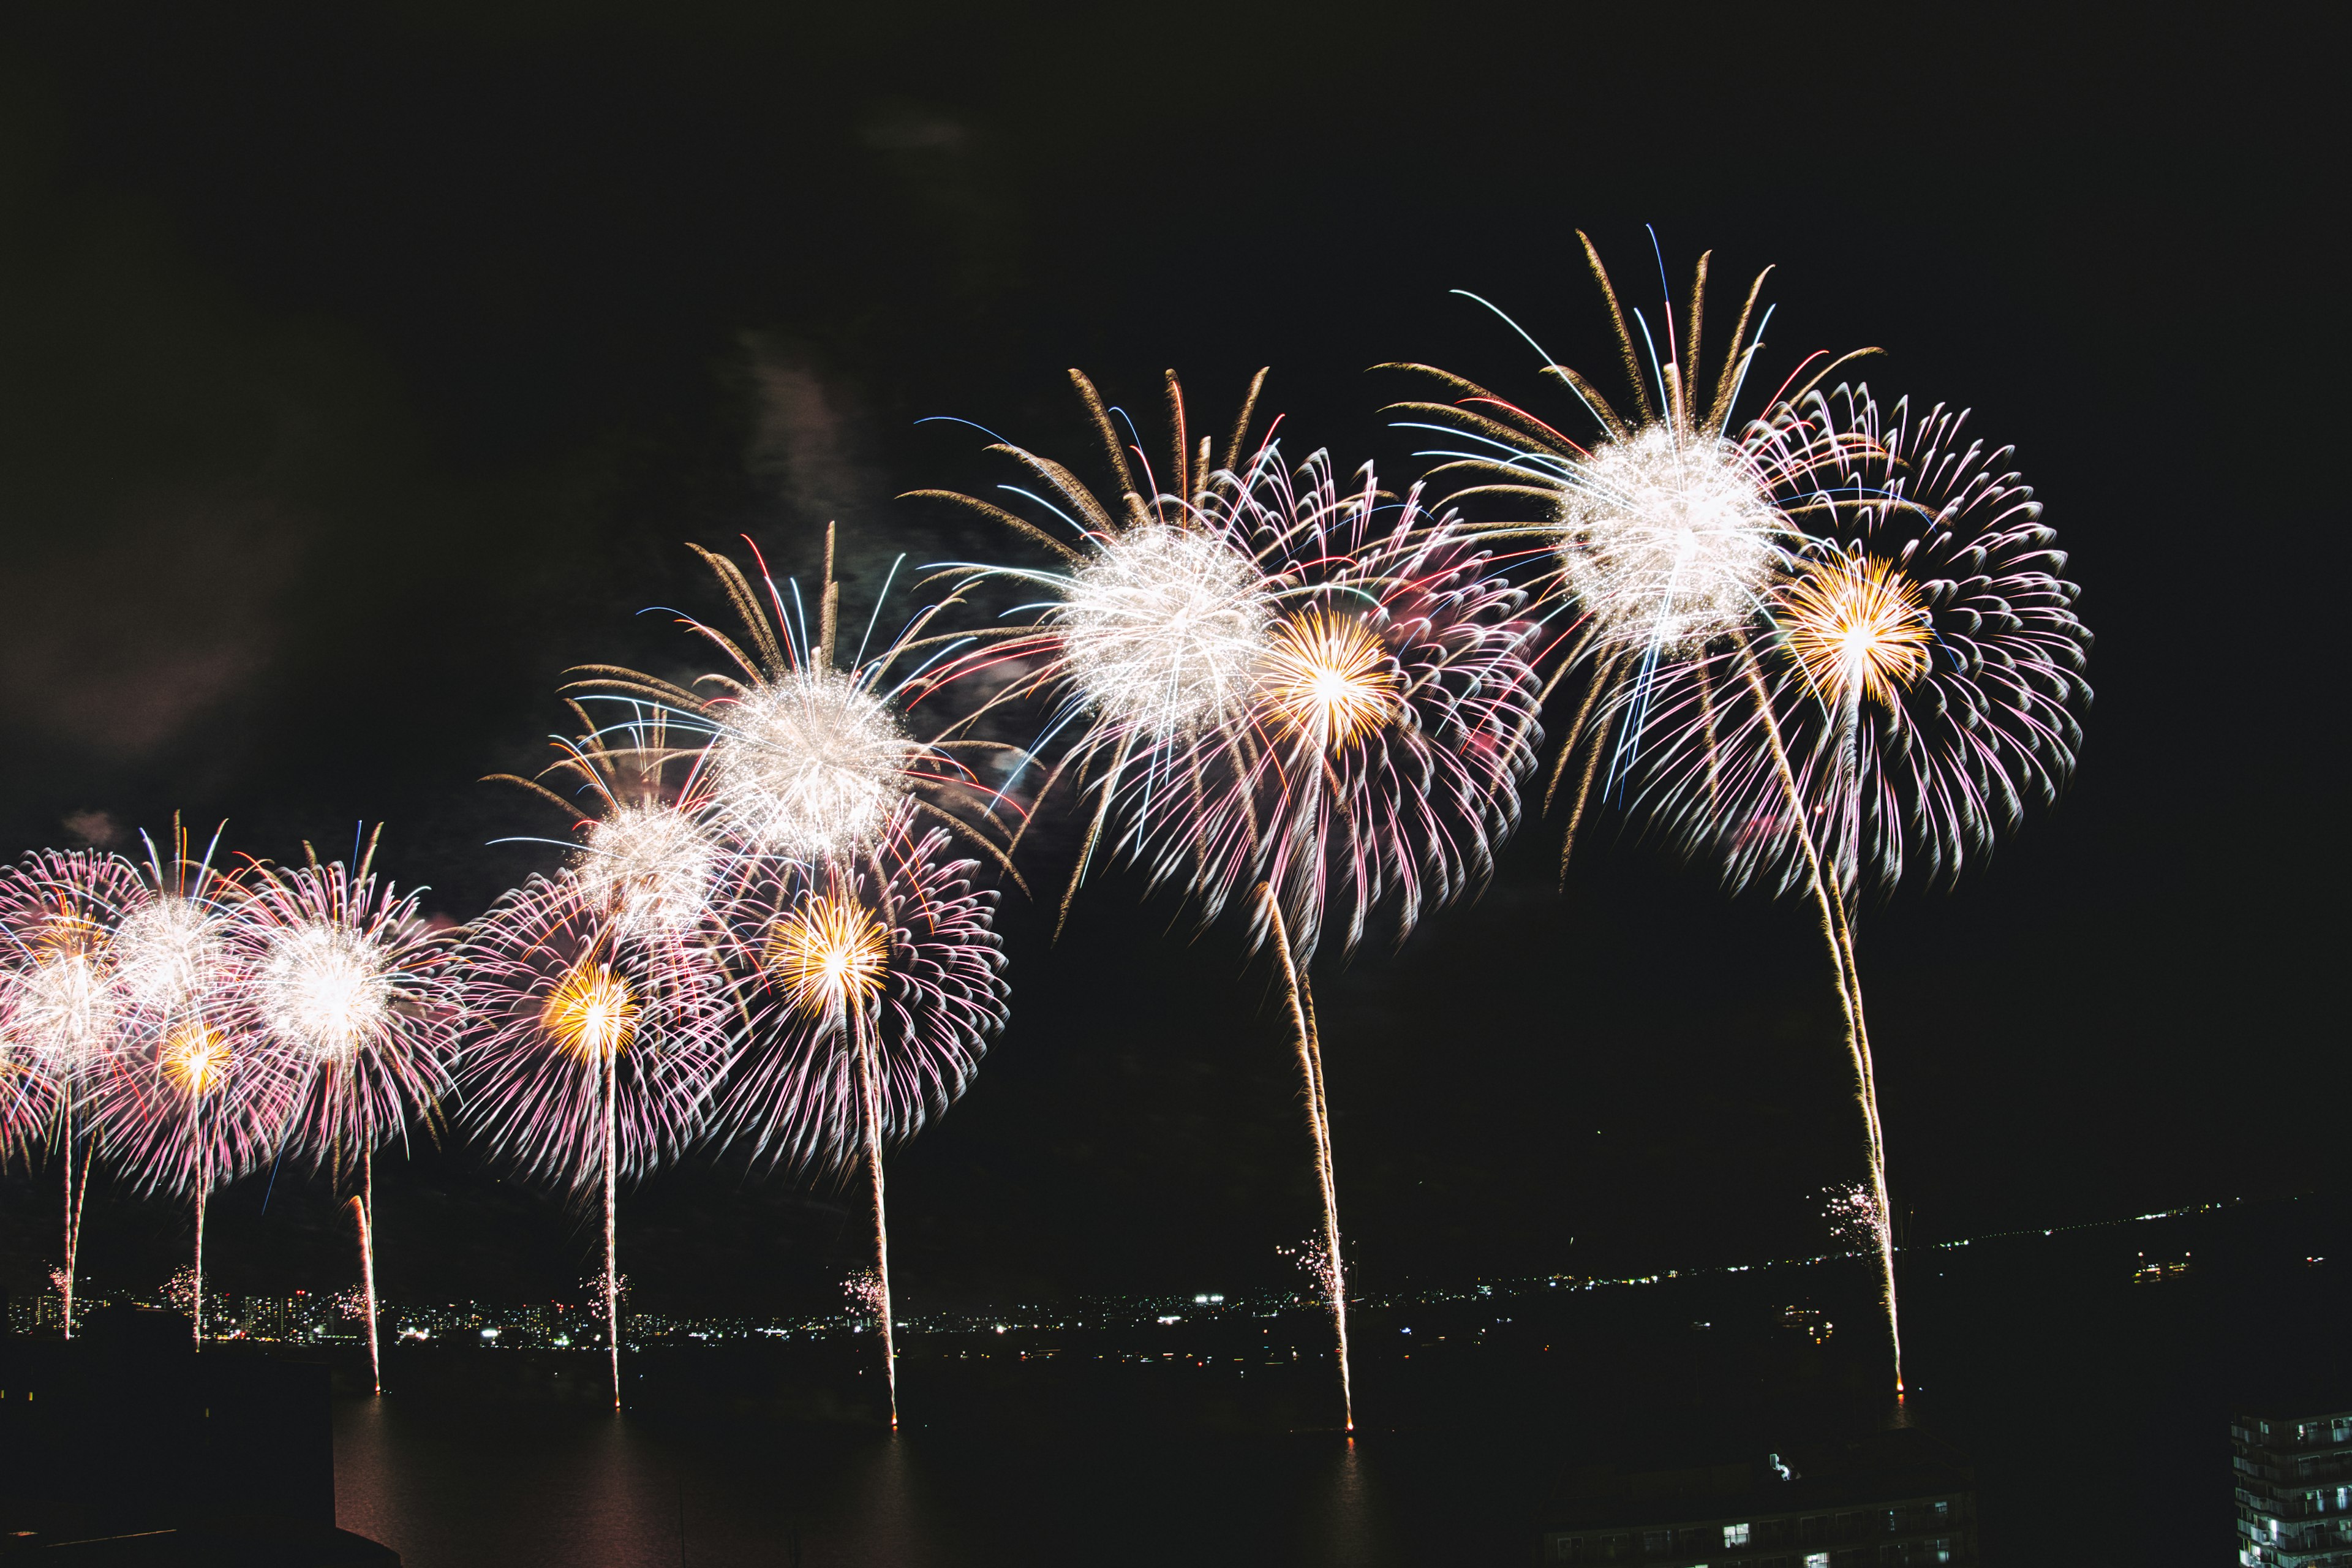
346 978
1153 639
1925 665
866 996
73 994
592 1057
798 758
647 858
1676 538
1390 720
1302 688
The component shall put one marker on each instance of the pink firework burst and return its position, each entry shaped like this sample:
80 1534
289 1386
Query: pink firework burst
342 972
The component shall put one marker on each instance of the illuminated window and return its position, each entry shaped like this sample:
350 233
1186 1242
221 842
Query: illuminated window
1816 1560
1735 1535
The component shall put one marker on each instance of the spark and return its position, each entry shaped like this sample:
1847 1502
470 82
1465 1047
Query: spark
195 1058
1855 1218
867 1293
166 950
66 1010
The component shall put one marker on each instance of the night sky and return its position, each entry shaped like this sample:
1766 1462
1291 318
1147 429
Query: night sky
363 370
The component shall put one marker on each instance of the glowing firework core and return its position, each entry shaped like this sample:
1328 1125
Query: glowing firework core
65 1007
324 987
163 949
1669 542
1330 679
592 1013
1164 630
811 765
1857 626
827 953
650 866
195 1058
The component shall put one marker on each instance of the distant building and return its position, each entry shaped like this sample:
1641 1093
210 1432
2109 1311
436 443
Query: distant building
1894 1499
2294 1489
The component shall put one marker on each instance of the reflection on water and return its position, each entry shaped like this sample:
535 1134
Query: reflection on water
456 1485
1349 1516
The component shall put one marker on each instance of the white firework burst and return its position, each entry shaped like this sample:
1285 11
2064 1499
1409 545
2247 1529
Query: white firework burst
1670 541
1164 629
651 866
66 1009
810 766
324 987
166 951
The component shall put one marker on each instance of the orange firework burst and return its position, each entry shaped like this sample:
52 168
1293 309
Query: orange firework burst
1329 680
828 955
1855 625
195 1058
592 1013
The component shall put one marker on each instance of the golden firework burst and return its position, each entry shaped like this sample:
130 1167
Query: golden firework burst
828 952
1329 678
1856 624
592 1013
195 1058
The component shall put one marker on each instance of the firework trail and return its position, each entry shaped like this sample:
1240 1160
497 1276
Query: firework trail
866 994
593 1054
1304 686
87 952
346 978
1671 534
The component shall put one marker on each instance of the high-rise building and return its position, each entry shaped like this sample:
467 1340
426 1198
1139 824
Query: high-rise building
2294 1489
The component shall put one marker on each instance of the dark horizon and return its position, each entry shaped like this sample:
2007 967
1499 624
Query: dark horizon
368 373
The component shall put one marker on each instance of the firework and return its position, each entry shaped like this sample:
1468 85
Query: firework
1668 530
61 1011
1389 722
648 859
1154 637
198 1096
1675 537
1163 631
1272 680
346 978
866 996
1302 686
1856 1219
798 758
1925 664
592 1057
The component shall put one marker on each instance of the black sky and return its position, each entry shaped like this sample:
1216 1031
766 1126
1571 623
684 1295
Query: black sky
363 369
